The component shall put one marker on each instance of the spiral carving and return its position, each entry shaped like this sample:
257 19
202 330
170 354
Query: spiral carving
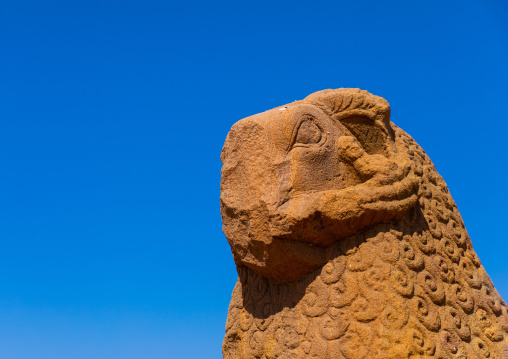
380 267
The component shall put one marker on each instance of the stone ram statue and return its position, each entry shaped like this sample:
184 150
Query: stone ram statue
347 242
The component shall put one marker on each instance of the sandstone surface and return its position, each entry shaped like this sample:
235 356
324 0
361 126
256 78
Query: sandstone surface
347 242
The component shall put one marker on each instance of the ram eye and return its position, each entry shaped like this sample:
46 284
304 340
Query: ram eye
308 133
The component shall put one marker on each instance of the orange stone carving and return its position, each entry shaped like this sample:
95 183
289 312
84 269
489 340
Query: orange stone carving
347 242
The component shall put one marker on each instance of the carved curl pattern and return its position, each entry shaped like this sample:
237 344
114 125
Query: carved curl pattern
412 287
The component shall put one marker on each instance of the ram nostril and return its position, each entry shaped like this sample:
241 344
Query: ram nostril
369 133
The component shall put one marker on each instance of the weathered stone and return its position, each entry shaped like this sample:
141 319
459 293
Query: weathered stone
347 241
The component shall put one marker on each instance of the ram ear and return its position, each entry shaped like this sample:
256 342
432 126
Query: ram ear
366 116
370 134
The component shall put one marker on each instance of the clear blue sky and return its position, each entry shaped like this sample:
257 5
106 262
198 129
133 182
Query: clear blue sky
112 118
